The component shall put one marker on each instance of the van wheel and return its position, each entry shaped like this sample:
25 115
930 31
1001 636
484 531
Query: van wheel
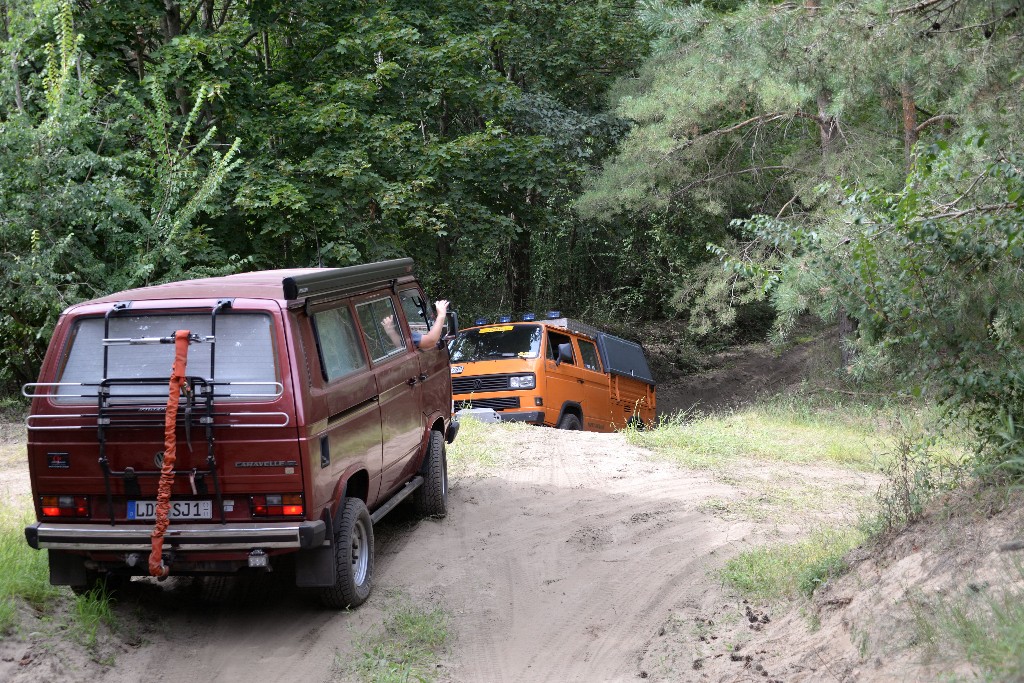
353 558
431 498
570 421
636 423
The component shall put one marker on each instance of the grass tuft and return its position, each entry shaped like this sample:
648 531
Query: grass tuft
984 628
479 445
91 610
790 570
408 649
471 448
792 431
24 572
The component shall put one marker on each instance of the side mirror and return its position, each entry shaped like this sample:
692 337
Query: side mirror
451 325
564 354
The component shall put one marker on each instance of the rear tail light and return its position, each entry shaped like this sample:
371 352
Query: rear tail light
64 506
277 505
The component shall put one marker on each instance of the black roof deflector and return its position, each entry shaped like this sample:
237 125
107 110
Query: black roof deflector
337 280
622 357
619 356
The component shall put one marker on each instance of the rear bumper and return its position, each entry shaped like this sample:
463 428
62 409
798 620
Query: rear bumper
181 537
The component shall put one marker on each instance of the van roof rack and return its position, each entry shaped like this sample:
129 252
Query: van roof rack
333 281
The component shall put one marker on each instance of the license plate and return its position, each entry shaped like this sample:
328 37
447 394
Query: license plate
180 509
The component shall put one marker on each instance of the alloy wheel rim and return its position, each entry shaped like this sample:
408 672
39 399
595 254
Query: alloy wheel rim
360 553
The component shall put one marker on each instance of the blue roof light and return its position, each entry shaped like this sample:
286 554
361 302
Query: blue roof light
505 319
529 317
480 321
554 314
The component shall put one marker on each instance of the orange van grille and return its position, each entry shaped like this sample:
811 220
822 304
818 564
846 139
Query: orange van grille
469 385
492 403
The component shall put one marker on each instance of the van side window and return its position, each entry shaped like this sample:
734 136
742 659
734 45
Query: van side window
381 328
336 340
416 310
554 340
588 352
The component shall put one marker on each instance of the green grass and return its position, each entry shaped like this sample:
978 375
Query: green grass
25 578
985 629
12 454
24 572
471 448
479 445
89 611
798 430
787 571
412 640
777 500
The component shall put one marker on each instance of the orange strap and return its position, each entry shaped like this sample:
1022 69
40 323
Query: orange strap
163 496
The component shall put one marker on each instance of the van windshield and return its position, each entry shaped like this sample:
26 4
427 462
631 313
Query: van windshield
244 353
501 341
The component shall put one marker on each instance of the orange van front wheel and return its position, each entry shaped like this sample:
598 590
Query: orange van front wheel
570 421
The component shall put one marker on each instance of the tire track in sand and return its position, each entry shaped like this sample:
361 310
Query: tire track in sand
563 566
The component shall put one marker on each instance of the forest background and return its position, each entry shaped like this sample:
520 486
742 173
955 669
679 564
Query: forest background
617 160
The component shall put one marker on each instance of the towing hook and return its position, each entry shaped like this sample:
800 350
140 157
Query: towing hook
166 560
165 570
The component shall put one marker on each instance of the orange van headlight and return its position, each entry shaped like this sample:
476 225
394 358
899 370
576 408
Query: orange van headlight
522 382
277 505
64 506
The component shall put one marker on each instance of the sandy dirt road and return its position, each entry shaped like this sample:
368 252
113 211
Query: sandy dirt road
559 565
566 559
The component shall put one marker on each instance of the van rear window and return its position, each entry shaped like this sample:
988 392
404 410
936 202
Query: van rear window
244 353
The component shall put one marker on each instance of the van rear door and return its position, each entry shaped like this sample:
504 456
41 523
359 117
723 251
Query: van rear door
98 431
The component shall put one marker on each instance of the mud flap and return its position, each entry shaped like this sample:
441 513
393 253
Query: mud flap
67 569
452 431
314 568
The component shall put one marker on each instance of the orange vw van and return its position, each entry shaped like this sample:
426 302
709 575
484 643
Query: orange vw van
557 372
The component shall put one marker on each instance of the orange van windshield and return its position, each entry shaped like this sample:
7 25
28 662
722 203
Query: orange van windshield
492 343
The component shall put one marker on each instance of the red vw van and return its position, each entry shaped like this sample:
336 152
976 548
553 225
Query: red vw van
299 422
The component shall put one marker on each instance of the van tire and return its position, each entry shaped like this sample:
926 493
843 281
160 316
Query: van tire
571 422
353 558
431 498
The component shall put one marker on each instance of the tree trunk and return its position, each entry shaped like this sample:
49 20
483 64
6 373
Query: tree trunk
172 29
517 273
208 15
829 127
909 122
5 35
828 124
847 335
140 52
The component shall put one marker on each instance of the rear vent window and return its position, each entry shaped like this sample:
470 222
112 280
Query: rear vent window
244 353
